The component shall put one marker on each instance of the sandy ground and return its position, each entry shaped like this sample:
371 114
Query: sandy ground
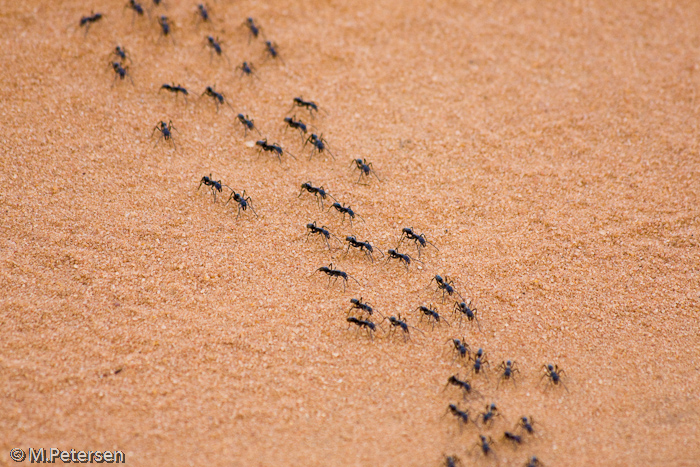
548 150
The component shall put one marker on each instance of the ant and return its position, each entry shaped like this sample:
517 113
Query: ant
488 416
244 202
164 24
217 96
465 310
446 286
134 5
419 239
319 192
513 438
362 246
362 306
247 123
525 423
534 462
309 105
87 21
246 69
345 210
319 145
480 362
431 314
365 169
120 72
214 185
165 132
554 374
215 47
461 415
271 49
362 323
254 30
399 323
296 125
176 89
203 13
336 273
263 145
401 257
461 348
509 368
313 229
453 461
465 386
120 53
484 444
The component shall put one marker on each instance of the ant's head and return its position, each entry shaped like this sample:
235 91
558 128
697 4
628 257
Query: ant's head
350 238
438 278
408 231
354 301
311 225
492 407
550 367
392 251
480 352
261 142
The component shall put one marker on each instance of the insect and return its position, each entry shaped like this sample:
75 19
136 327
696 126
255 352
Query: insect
244 202
215 46
363 323
480 362
525 423
553 373
313 229
419 239
217 96
341 208
362 246
120 72
406 259
488 416
446 285
508 371
121 54
534 462
311 106
433 316
465 386
271 49
365 169
134 5
362 306
247 69
87 21
263 145
214 185
253 28
464 309
319 145
175 89
484 444
247 123
462 416
461 348
319 192
452 461
401 324
165 130
296 125
335 273
164 24
513 438
202 13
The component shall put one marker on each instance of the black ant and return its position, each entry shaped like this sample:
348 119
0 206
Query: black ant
319 192
215 47
534 462
365 169
446 285
335 273
244 202
484 444
214 185
433 316
309 105
488 416
453 461
553 373
419 239
400 323
87 21
525 423
362 323
120 72
176 89
345 210
203 13
313 229
464 309
480 362
247 69
134 5
120 53
247 123
319 145
461 348
296 125
406 259
271 49
253 28
461 415
513 438
217 96
263 145
362 246
165 130
362 306
509 369
465 386
164 24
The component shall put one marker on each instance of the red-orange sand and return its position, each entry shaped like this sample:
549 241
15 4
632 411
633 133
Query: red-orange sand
548 149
